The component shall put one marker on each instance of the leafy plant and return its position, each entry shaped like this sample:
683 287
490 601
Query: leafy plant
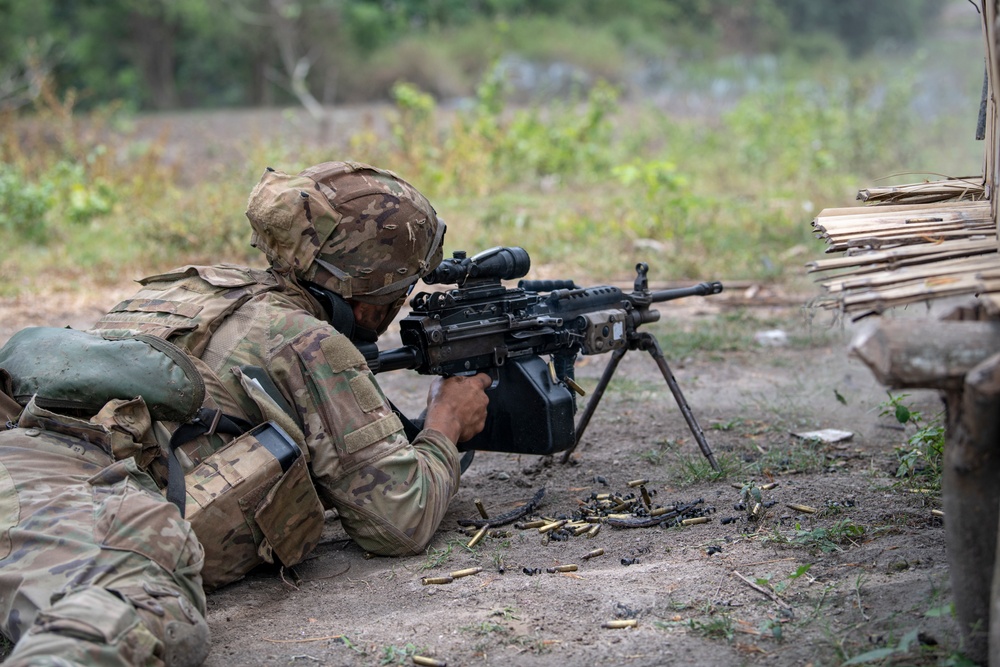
882 654
828 539
23 206
921 457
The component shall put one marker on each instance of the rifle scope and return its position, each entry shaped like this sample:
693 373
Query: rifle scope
495 264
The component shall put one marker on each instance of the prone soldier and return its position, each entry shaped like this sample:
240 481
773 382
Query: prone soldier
114 517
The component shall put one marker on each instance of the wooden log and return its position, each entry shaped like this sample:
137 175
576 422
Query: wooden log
971 501
925 353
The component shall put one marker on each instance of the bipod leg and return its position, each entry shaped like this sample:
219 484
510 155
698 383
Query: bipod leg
588 411
649 343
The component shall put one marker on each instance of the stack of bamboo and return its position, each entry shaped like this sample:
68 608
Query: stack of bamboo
924 241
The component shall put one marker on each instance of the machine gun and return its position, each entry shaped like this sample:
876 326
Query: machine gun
483 326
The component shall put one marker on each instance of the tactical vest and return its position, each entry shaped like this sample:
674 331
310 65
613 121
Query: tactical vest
250 499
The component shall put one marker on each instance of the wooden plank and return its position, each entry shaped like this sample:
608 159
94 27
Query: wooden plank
896 256
901 354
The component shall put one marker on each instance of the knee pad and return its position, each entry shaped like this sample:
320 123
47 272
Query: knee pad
133 626
87 626
174 620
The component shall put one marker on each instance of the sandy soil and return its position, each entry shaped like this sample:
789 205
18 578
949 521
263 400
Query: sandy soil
683 586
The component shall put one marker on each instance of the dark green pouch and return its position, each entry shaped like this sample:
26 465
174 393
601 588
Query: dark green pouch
76 370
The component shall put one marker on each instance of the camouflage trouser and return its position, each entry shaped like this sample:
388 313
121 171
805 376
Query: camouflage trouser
96 568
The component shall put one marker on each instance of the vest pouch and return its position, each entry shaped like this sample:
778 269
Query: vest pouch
262 472
291 517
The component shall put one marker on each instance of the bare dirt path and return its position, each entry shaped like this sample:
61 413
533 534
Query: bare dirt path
871 563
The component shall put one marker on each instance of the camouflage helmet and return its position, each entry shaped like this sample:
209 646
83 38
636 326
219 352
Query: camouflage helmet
355 230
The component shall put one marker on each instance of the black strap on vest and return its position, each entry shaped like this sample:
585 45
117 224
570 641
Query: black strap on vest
207 421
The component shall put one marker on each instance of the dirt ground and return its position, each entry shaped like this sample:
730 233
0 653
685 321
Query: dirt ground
688 588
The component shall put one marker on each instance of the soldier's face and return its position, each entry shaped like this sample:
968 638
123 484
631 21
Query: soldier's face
374 316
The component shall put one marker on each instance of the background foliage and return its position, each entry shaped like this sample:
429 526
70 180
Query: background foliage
701 136
165 54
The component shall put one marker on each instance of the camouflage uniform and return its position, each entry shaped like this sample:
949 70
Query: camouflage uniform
390 494
96 567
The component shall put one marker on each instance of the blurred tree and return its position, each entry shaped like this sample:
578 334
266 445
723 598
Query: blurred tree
862 24
169 53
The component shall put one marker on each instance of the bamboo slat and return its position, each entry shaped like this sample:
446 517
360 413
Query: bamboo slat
920 241
965 188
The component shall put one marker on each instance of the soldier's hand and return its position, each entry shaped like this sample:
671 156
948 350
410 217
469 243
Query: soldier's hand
456 406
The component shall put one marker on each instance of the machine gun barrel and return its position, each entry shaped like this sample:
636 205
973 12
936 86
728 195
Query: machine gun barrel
701 289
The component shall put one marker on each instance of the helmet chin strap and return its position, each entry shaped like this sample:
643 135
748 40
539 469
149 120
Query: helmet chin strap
340 315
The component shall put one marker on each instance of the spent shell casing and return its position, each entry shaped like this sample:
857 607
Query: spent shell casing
638 482
469 571
602 496
802 508
482 510
593 554
424 661
660 510
552 526
624 623
478 536
937 513
574 386
645 496
769 486
561 568
538 523
695 520
594 530
426 581
580 530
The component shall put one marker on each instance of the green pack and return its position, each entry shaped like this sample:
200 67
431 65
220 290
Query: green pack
67 369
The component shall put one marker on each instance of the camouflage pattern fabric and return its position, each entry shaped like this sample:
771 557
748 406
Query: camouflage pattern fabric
96 567
391 494
358 231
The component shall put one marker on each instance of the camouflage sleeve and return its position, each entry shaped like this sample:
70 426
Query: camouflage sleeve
391 494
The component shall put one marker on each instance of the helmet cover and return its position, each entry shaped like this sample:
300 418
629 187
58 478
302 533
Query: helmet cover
355 230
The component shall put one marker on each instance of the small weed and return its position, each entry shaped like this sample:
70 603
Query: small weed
828 539
437 557
714 626
773 627
920 457
533 643
398 655
695 468
485 628
507 613
802 457
938 612
655 456
882 654
780 587
819 538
